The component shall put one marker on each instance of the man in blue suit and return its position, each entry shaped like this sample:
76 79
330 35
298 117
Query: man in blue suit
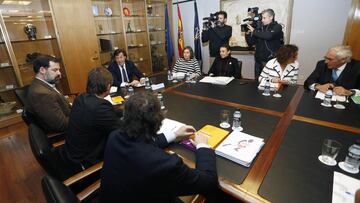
124 70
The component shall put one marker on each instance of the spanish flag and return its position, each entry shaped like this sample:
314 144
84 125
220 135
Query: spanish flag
180 33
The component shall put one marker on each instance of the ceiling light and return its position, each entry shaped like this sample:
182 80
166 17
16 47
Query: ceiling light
23 3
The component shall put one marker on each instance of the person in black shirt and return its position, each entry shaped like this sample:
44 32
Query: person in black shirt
92 118
225 65
267 39
217 35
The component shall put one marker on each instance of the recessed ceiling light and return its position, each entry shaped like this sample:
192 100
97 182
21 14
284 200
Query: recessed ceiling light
12 11
23 3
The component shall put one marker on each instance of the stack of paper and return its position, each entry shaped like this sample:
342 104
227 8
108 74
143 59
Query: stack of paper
178 75
220 80
344 188
169 125
240 148
321 95
272 85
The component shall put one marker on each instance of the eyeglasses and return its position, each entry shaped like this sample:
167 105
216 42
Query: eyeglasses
329 59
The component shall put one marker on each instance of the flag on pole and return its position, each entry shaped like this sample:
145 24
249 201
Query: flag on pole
197 43
169 45
180 33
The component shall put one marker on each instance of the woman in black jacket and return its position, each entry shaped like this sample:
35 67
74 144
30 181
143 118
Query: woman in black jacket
225 65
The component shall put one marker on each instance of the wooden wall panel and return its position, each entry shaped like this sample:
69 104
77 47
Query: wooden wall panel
77 35
352 31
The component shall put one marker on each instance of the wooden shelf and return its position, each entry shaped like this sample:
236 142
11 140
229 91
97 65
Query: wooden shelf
105 16
135 47
157 44
134 16
138 61
5 67
134 32
110 33
155 16
9 119
28 40
154 30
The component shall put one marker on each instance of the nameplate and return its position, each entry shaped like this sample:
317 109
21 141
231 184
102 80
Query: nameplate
157 86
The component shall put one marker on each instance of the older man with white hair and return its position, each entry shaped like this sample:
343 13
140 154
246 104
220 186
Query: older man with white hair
338 71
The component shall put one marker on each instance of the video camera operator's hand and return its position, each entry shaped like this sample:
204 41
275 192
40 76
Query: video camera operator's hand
251 29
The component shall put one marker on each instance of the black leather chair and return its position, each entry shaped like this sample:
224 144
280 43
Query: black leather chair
48 156
20 94
57 192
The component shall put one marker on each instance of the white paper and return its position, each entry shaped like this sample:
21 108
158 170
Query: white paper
240 147
178 75
157 86
321 95
169 125
220 80
113 89
344 188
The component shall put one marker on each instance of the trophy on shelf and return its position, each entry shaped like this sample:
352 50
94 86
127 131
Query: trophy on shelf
149 10
129 29
30 30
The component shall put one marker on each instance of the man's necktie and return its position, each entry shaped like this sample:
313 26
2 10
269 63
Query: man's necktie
334 75
123 73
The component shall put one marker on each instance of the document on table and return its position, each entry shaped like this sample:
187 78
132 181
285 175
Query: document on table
220 80
169 125
321 95
344 188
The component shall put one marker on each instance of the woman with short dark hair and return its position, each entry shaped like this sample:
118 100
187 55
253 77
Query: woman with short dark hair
188 63
225 65
283 69
136 169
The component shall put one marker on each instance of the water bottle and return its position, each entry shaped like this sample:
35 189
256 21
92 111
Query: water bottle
161 100
237 120
147 83
187 77
327 99
170 75
130 91
352 160
267 87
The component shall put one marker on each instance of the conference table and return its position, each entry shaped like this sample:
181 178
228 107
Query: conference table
293 127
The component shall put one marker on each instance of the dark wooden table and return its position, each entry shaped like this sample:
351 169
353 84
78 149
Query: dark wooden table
293 127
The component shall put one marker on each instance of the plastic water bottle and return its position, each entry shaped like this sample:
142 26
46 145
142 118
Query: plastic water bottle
187 77
147 83
170 75
327 98
161 100
130 91
237 120
352 160
267 87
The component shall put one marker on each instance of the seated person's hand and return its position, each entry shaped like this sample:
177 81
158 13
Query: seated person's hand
339 90
275 80
323 88
200 138
284 82
184 132
134 83
142 81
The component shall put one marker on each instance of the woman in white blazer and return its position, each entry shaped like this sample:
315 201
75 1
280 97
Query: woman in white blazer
283 69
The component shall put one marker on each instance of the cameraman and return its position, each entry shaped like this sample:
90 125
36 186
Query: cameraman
217 34
268 38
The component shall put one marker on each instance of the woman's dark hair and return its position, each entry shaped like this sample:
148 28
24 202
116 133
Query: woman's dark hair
191 51
98 81
43 60
286 52
142 116
119 51
225 46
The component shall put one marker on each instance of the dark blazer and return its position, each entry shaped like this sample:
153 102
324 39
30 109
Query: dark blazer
227 66
91 121
349 77
50 109
216 36
131 70
139 171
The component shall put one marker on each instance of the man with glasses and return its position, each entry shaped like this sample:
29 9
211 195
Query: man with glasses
338 71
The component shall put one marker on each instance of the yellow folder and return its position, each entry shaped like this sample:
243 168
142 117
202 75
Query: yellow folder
117 99
216 135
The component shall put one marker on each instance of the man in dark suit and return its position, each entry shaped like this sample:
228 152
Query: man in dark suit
136 169
49 107
124 70
338 72
91 120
